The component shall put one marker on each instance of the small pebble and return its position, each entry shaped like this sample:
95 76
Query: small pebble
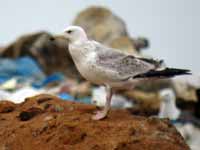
47 118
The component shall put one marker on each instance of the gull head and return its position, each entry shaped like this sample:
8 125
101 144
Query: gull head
74 34
168 105
168 96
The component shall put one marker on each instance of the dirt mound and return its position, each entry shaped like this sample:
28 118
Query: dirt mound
48 123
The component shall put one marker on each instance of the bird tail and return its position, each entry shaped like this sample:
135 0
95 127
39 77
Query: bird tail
165 73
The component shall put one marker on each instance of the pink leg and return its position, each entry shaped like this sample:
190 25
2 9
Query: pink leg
103 113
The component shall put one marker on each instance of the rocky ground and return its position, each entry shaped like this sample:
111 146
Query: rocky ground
46 122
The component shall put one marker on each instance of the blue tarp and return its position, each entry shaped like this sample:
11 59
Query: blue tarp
66 96
56 77
23 68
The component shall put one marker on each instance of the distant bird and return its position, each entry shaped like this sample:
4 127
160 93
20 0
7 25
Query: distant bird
112 68
185 122
168 107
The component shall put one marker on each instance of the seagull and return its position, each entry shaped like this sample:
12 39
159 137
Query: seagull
168 107
110 67
185 122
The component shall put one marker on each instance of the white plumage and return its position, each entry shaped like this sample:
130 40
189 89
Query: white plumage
110 67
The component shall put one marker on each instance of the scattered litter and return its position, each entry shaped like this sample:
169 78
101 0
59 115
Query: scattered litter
21 76
19 95
10 84
65 96
24 68
56 77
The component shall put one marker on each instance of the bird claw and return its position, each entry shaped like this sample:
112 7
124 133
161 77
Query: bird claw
99 115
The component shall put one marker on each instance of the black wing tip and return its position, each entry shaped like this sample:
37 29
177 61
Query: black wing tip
166 73
181 71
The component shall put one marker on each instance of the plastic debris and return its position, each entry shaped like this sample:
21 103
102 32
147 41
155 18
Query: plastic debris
23 68
56 77
65 96
9 85
19 95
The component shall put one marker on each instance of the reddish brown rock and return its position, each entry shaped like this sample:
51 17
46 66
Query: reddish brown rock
73 129
29 113
6 106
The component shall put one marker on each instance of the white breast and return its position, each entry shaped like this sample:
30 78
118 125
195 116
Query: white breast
85 63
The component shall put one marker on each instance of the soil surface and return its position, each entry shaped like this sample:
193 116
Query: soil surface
45 122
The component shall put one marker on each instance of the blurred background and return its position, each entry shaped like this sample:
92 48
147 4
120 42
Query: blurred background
31 64
172 25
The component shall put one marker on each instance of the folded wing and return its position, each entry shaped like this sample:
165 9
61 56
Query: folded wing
121 64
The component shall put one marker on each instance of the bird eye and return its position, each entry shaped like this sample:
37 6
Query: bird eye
69 31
